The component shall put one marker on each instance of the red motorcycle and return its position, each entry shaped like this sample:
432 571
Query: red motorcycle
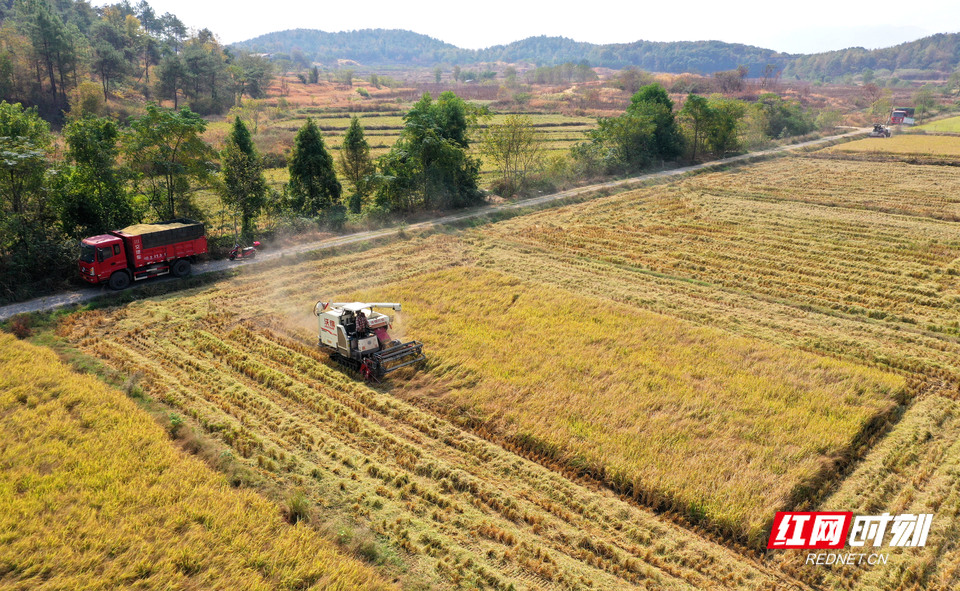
247 252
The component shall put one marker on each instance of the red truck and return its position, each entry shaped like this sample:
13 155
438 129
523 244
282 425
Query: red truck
142 251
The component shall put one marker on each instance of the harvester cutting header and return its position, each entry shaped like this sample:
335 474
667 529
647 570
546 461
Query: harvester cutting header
356 337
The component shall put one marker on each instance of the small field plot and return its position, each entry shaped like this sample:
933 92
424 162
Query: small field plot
93 495
914 148
949 125
926 191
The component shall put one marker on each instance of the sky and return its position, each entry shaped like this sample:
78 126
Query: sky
794 27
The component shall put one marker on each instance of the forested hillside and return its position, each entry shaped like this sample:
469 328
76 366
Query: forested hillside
938 53
396 47
369 46
51 50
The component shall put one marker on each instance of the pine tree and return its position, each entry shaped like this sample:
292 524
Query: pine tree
313 182
244 186
355 162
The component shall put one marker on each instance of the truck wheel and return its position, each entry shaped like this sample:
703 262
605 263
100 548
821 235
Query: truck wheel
181 268
120 280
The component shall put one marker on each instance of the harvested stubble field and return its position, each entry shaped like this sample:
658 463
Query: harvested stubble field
722 347
93 496
920 190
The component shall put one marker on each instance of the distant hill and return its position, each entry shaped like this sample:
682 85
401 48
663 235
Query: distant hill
920 58
703 57
378 47
375 47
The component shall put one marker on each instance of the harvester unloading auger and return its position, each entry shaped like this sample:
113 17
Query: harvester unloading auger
356 337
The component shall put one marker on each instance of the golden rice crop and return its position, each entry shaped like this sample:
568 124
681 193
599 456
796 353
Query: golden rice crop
682 417
93 495
950 124
903 144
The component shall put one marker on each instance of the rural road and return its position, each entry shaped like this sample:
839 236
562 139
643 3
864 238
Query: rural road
51 302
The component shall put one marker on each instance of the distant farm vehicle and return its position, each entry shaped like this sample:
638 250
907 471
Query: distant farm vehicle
879 131
247 252
356 337
141 251
902 116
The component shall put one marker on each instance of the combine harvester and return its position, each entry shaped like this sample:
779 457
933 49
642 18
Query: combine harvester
879 130
356 337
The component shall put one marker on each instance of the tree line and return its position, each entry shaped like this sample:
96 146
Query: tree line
112 174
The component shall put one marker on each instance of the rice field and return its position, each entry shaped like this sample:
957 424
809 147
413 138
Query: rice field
92 495
714 349
921 190
452 509
948 125
940 149
899 270
662 384
913 470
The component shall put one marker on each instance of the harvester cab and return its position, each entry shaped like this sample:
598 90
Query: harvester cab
879 130
356 336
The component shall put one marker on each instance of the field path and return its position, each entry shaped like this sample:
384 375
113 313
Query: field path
51 302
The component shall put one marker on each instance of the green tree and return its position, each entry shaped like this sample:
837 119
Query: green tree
923 102
32 252
112 53
697 117
646 132
166 152
782 118
653 102
204 79
437 74
313 181
355 162
53 43
169 79
429 166
24 143
723 133
251 74
91 197
516 149
244 188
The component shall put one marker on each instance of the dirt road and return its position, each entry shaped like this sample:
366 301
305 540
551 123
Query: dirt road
52 302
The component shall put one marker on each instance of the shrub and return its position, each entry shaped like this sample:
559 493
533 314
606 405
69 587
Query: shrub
20 326
176 424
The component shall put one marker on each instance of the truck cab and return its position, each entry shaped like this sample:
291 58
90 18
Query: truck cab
100 256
